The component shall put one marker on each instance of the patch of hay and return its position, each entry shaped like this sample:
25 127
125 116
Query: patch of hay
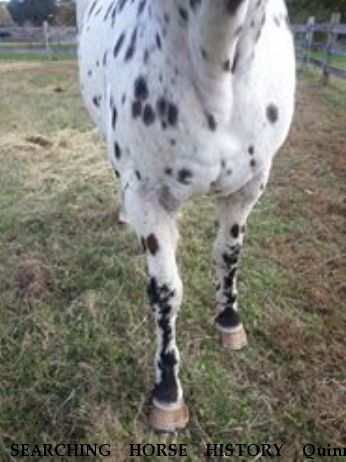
18 66
18 143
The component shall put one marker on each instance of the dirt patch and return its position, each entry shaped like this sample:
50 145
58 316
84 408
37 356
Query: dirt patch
39 140
32 280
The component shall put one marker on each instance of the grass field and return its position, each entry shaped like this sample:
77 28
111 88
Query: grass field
10 54
33 45
76 334
337 61
26 51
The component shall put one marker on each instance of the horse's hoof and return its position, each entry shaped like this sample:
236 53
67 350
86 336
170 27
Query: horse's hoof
235 340
168 420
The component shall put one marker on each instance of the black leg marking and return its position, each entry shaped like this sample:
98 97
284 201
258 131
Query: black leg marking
160 298
228 317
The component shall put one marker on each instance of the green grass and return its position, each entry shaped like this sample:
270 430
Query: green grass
35 56
338 61
63 51
76 335
33 45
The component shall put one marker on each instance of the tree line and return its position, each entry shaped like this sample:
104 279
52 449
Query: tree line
63 11
36 12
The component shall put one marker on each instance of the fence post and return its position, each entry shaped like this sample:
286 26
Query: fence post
309 38
334 21
46 38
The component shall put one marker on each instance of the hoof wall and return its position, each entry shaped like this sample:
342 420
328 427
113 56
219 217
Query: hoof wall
168 420
234 340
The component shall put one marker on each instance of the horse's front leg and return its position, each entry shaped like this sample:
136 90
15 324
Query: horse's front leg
158 234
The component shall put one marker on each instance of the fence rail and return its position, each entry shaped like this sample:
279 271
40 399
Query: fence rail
319 44
45 40
37 34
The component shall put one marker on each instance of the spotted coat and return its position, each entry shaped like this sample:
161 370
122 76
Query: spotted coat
193 97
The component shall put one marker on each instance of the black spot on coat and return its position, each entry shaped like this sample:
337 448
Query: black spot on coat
152 244
141 88
184 175
272 112
148 115
235 231
118 45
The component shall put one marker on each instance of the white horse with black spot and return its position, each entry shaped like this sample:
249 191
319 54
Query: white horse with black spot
193 97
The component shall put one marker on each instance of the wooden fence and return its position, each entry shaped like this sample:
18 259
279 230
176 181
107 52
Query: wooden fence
46 40
318 43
